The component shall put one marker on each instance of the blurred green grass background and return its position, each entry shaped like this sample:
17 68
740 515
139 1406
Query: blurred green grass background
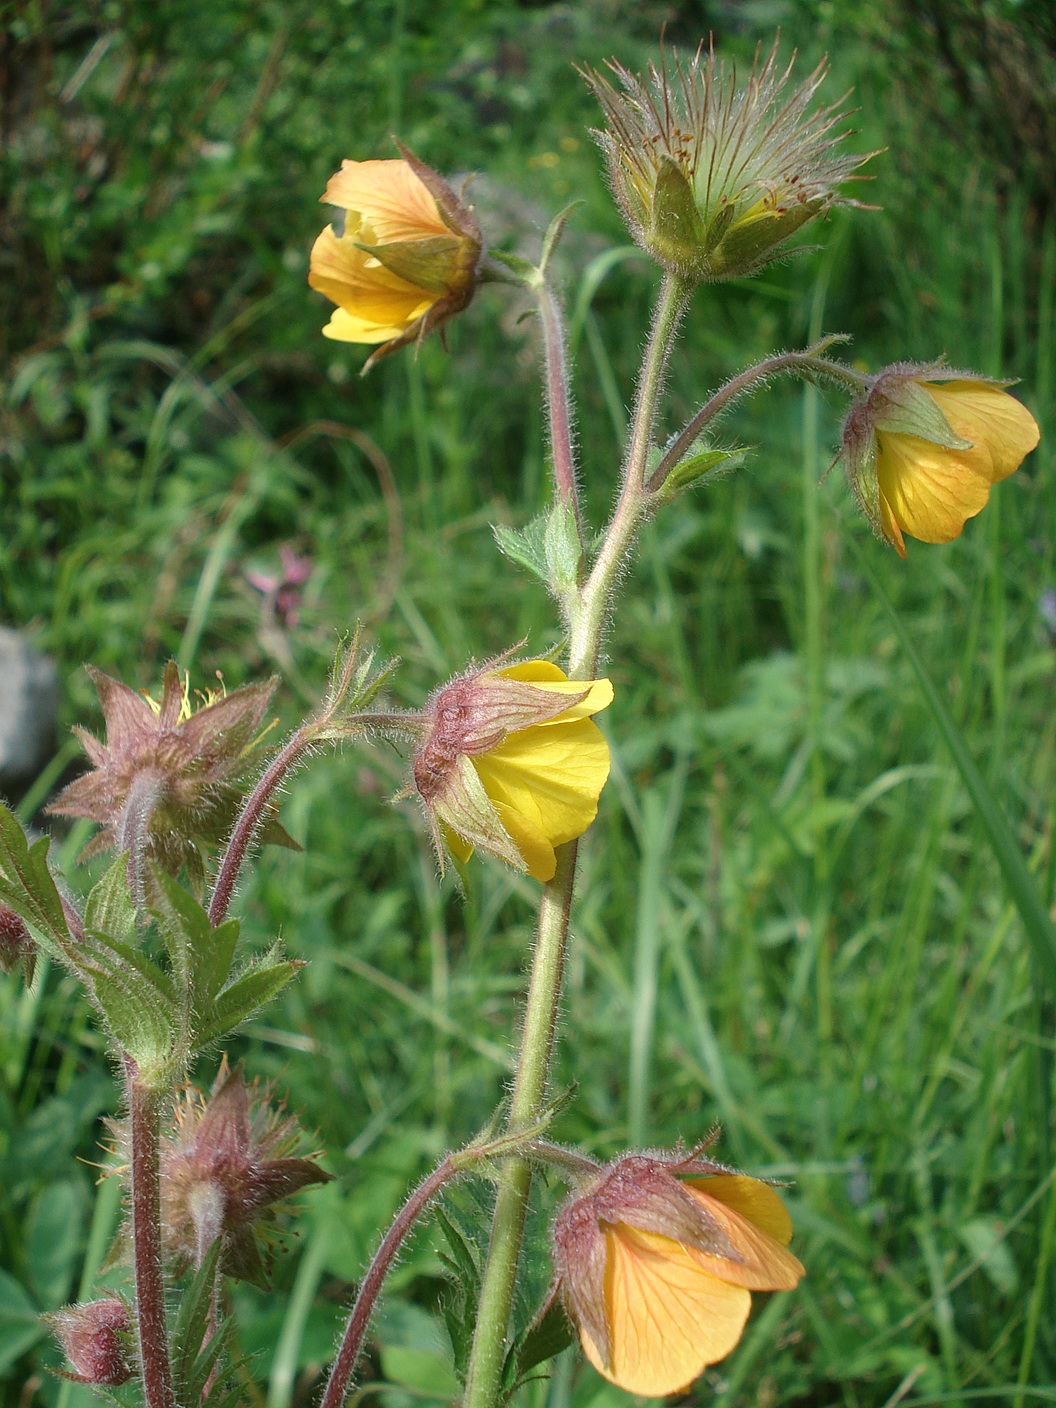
790 920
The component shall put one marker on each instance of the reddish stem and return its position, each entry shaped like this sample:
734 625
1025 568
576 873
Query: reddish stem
155 1363
249 822
361 1312
557 401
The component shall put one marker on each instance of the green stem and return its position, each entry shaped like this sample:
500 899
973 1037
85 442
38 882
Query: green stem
487 1357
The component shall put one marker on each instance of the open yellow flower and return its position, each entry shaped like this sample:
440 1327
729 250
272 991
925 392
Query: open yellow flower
406 259
923 447
657 1270
511 761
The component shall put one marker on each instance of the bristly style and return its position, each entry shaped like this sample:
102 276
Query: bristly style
711 176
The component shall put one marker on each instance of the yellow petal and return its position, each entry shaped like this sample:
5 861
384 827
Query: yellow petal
750 1197
364 288
344 327
989 416
536 849
550 677
667 1317
765 1264
394 202
461 850
931 491
551 775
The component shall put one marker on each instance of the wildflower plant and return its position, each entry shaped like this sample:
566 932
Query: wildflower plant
656 1254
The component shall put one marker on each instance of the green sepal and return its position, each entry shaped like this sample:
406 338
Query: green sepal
700 464
548 1334
254 989
748 243
26 885
676 232
430 264
908 409
110 908
526 546
562 548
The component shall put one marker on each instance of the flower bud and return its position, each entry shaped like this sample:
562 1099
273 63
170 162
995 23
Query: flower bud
655 1260
16 944
712 178
227 1165
923 444
96 1338
176 766
511 761
405 259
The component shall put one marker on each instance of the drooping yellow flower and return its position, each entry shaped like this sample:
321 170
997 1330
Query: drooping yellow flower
713 176
923 446
657 1269
511 761
406 259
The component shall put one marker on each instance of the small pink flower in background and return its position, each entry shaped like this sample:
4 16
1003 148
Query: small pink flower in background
282 589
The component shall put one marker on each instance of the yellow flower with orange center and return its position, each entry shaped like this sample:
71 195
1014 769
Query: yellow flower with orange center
406 258
510 760
923 447
656 1269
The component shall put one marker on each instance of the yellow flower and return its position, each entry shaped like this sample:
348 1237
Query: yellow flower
406 259
922 448
657 1270
511 761
712 176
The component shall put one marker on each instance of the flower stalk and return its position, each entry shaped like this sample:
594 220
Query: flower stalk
590 613
144 1109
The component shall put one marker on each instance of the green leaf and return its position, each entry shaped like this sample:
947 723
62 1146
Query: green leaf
26 884
53 1240
200 954
247 995
461 1291
110 908
526 546
554 231
20 1323
1022 887
549 1333
426 1374
563 549
190 1325
703 462
138 1001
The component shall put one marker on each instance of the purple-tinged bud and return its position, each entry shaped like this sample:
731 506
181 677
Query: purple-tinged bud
96 1338
16 944
226 1166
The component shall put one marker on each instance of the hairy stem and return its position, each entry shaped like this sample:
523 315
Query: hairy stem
144 1107
558 407
745 381
360 1315
488 1354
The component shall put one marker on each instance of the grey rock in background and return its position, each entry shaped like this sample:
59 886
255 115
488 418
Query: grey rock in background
29 702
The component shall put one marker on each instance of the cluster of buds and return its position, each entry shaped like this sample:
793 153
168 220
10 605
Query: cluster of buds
404 259
655 1259
712 177
17 947
231 1159
166 779
97 1338
923 445
510 760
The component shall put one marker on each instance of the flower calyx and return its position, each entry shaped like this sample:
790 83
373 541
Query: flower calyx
923 445
97 1337
510 760
404 259
230 1160
714 177
165 782
655 1259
